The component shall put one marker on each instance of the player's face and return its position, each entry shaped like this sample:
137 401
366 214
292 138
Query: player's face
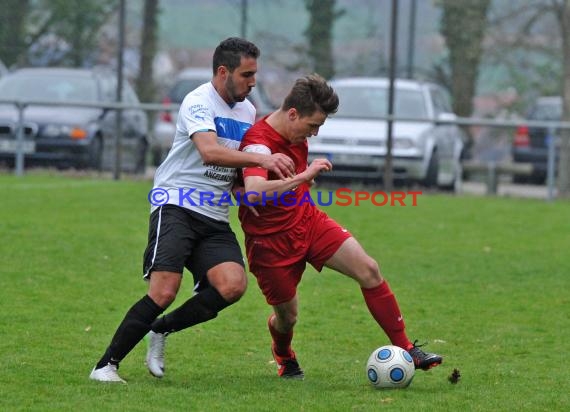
240 82
305 127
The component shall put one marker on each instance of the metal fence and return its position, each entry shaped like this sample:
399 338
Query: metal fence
491 168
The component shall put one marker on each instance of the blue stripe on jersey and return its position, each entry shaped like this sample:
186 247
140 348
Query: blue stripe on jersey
230 128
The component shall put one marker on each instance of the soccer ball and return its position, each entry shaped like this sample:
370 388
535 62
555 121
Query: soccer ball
390 367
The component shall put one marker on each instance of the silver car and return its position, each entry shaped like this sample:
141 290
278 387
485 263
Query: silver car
187 80
425 149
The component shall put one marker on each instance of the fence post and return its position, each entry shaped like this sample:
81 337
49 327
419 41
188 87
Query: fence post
19 170
492 178
551 162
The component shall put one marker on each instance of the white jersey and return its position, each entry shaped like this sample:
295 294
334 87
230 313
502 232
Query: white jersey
183 179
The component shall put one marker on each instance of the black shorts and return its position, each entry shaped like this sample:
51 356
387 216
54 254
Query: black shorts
179 238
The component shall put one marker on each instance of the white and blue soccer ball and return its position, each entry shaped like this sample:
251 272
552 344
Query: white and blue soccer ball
390 367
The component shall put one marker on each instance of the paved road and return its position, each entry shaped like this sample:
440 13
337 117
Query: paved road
507 189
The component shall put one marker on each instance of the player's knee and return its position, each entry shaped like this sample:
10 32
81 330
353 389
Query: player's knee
233 289
370 275
163 297
286 321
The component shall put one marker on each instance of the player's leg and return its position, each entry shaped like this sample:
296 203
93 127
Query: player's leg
332 246
162 256
278 263
134 326
351 260
281 324
163 288
217 265
218 268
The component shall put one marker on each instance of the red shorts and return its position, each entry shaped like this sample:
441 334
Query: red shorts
279 260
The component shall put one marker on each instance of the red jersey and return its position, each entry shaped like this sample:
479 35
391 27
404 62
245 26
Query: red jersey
277 213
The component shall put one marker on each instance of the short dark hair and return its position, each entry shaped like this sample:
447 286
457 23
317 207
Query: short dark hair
309 94
230 51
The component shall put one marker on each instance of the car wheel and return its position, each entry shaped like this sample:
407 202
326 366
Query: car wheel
432 171
95 154
157 156
521 179
140 160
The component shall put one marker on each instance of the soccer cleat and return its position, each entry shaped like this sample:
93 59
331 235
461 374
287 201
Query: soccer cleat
424 360
155 354
107 373
288 368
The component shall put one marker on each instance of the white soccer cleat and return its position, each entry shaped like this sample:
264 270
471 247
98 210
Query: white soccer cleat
106 374
155 354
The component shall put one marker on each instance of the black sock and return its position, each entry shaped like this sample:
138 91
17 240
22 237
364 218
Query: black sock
200 308
132 329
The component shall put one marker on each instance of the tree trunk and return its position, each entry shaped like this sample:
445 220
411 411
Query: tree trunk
463 25
13 15
145 83
564 160
319 35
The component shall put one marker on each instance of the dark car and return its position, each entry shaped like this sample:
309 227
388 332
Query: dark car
71 136
530 144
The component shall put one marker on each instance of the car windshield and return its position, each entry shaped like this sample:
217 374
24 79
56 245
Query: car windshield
52 88
546 111
372 102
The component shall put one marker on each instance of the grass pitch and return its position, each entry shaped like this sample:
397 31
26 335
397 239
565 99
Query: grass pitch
485 281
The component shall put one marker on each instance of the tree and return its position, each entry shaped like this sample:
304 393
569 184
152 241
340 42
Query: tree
322 15
55 32
564 162
541 29
463 26
145 85
71 28
13 14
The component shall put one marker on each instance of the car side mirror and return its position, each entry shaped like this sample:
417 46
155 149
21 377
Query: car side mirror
446 118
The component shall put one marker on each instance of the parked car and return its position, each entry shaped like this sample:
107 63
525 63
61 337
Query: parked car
530 144
186 81
68 136
354 139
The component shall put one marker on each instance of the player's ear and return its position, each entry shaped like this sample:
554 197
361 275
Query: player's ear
222 71
292 114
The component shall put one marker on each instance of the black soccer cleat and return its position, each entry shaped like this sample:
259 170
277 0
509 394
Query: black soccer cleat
424 360
288 368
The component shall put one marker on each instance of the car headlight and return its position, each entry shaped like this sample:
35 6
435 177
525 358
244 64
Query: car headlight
54 130
403 143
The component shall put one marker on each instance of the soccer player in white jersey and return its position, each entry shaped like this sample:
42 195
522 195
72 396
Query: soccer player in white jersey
190 227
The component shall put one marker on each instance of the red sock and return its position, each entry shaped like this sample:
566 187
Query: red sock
281 341
382 305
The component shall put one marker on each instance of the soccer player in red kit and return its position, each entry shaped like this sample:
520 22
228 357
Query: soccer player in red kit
286 230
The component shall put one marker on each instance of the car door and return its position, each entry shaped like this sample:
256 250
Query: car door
448 135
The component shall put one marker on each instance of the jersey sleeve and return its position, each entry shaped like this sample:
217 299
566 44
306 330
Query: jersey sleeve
256 170
196 115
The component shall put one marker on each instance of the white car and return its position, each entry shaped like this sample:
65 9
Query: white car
425 149
186 81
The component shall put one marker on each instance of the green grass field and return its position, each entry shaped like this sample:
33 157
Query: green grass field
485 281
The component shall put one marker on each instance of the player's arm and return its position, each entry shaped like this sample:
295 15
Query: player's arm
256 185
213 153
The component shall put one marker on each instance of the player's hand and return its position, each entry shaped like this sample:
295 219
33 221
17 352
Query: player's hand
280 164
316 167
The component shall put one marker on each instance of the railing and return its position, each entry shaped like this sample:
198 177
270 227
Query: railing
119 107
492 168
